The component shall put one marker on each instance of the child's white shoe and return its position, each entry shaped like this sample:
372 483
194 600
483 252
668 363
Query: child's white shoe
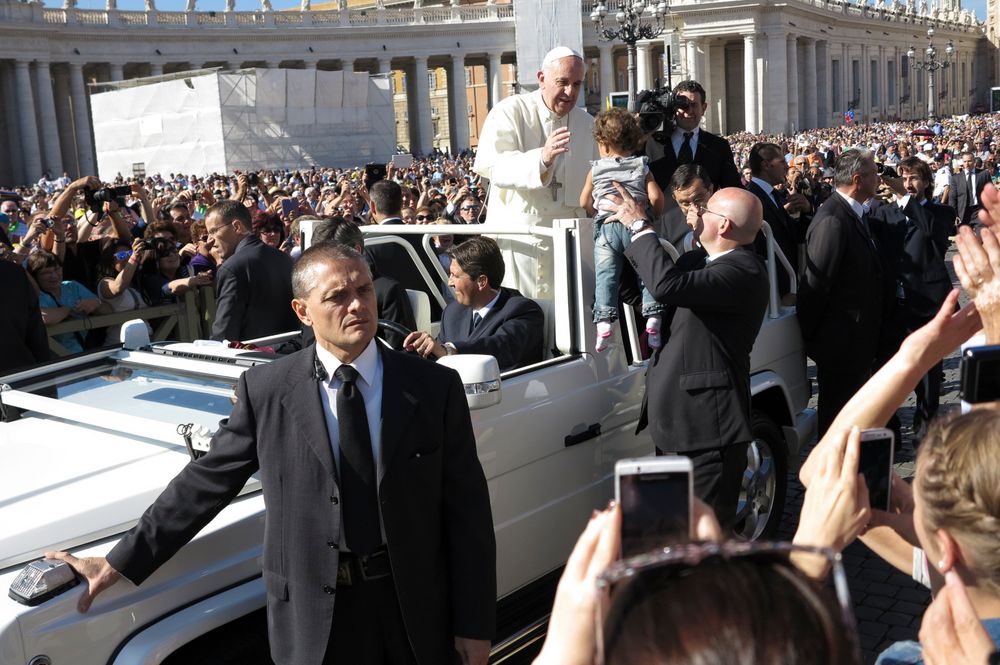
653 338
604 336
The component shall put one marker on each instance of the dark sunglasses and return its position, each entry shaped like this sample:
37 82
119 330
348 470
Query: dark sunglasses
421 218
123 255
471 207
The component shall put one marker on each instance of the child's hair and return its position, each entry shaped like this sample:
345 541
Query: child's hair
619 128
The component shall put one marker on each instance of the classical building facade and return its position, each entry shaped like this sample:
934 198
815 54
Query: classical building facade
772 67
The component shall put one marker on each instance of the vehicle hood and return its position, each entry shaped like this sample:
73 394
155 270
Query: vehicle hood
63 484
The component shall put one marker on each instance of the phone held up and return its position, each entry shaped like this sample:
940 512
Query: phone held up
875 463
655 495
981 374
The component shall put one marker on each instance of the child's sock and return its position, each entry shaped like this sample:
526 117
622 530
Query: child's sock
653 332
604 335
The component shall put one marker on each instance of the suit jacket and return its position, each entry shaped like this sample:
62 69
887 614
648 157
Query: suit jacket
960 197
433 499
253 293
698 384
914 241
785 234
841 299
512 331
22 334
713 153
392 260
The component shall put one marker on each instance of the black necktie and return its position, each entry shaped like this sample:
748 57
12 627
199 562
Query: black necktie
357 466
476 320
685 156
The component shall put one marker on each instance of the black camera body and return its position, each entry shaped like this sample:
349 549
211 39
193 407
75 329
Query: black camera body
657 111
253 179
96 198
980 368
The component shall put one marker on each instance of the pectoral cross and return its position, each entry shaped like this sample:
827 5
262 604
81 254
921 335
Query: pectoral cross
554 186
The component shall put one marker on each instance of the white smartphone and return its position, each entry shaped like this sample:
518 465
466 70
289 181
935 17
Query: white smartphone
878 447
655 495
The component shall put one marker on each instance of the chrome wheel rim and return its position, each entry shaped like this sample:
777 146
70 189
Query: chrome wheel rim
757 492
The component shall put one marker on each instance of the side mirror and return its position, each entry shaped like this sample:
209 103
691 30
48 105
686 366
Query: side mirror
134 334
481 376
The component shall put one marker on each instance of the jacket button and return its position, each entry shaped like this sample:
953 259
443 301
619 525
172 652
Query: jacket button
334 500
332 543
329 590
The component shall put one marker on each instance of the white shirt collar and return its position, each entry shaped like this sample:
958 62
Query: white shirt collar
858 208
766 186
711 257
485 309
367 363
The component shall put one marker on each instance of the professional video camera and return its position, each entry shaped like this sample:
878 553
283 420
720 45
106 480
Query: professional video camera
96 198
657 109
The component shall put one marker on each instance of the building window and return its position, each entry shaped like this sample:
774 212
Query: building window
890 82
468 76
469 109
432 79
402 80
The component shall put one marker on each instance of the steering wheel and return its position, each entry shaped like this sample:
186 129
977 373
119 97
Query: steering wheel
385 327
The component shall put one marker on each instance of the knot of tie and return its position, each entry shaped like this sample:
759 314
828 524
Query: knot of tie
687 136
347 374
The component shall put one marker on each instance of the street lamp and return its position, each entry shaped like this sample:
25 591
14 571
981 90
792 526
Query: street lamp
631 28
931 64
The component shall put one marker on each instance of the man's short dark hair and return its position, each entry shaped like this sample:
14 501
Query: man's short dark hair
387 197
480 256
692 86
338 230
687 175
231 211
761 152
304 272
917 166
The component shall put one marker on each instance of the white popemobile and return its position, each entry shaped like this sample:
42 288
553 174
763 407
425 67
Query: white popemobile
87 443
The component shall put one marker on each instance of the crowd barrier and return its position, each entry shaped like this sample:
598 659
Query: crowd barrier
188 319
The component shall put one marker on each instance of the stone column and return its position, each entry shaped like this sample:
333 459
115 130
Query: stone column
750 82
26 118
155 69
385 65
81 120
50 125
495 72
422 122
607 71
12 112
776 99
694 71
643 66
117 71
458 103
64 118
792 62
866 84
812 85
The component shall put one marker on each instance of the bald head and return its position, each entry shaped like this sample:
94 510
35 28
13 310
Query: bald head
737 215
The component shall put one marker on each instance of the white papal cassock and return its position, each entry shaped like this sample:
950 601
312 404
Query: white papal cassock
522 192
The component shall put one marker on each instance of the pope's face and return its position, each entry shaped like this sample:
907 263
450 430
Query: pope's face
560 84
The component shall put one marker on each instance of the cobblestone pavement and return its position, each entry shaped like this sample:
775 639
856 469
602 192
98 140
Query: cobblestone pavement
887 603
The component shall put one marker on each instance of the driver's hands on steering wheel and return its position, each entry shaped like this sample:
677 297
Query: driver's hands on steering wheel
422 343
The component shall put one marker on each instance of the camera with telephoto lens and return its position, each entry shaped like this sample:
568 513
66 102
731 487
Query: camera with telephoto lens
96 198
657 110
252 179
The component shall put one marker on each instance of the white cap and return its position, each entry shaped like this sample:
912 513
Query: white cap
928 146
558 53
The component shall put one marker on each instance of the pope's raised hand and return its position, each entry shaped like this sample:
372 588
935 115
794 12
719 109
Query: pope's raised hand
557 144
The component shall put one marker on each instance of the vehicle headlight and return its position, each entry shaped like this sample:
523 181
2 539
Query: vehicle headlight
41 580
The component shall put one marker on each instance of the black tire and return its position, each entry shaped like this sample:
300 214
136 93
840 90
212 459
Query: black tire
762 491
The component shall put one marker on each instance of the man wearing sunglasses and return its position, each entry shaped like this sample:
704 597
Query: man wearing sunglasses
697 400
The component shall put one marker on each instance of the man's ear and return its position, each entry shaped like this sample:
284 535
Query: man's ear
540 75
301 310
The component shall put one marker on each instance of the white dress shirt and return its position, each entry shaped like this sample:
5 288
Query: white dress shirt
678 137
768 189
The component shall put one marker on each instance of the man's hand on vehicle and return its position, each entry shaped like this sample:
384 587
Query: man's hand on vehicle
423 344
95 570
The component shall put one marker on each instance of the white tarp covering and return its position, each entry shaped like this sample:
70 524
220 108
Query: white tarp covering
225 121
540 26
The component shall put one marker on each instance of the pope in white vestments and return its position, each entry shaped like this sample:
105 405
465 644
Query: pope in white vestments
536 167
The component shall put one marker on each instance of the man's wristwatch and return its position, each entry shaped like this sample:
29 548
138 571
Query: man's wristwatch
639 225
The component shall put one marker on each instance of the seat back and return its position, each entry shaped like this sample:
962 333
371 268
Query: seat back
549 327
421 306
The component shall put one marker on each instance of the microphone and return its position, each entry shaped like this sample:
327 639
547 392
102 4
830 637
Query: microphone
319 372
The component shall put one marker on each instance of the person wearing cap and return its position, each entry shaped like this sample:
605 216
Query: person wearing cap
927 156
942 180
535 149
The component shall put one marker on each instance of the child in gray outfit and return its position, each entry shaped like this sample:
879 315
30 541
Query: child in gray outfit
618 136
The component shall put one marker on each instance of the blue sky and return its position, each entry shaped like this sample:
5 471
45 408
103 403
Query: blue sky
978 6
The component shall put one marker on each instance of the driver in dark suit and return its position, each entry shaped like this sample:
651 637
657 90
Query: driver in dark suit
378 542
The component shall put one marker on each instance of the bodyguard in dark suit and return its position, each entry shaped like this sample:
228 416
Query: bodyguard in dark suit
913 236
378 542
841 300
485 317
697 400
967 190
253 286
22 333
690 144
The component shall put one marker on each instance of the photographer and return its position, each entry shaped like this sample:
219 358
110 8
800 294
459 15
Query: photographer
118 267
165 279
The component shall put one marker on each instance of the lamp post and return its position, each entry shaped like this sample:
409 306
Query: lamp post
631 28
931 64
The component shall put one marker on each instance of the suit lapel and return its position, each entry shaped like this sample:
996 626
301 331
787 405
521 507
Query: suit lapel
398 404
303 402
490 315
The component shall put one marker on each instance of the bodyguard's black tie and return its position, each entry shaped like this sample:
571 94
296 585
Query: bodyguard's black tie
357 466
476 320
685 156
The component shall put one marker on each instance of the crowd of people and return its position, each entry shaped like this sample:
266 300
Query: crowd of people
861 214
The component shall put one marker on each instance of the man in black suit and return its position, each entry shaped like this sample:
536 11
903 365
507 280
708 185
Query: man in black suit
913 236
690 144
842 295
484 317
378 542
253 286
769 168
967 190
697 400
22 333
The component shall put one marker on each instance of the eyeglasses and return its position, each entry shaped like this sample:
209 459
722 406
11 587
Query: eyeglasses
473 208
270 231
203 238
702 210
215 231
421 218
123 255
674 561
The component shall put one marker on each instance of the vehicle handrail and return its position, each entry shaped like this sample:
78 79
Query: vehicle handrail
386 239
774 252
456 229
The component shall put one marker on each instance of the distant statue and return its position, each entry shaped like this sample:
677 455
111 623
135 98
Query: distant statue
305 6
190 5
265 5
379 4
923 7
911 7
69 4
111 5
417 4
150 5
342 5
230 5
880 5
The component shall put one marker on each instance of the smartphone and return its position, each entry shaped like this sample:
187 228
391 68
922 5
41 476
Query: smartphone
980 370
374 173
875 463
288 206
655 495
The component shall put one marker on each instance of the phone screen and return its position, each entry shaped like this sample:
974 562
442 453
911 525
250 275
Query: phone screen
875 463
288 206
656 511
